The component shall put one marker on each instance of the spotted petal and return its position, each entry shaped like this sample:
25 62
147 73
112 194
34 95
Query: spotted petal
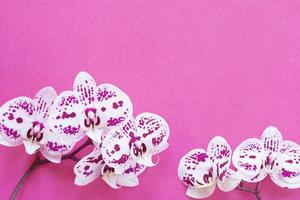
220 153
16 117
272 141
65 117
287 171
85 88
230 181
54 148
116 151
113 106
195 169
89 168
247 158
154 132
43 100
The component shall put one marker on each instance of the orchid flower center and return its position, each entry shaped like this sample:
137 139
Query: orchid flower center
35 133
205 179
139 148
91 119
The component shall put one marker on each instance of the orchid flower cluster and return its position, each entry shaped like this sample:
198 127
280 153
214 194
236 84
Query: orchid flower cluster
254 159
52 125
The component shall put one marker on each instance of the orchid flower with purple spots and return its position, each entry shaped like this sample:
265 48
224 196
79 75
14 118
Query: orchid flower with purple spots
25 120
89 109
202 170
93 166
137 141
256 158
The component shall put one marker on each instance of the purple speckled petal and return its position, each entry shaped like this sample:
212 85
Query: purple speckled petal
113 105
154 132
196 169
43 100
287 171
16 116
136 169
65 117
54 148
116 151
247 158
230 182
85 88
220 154
201 193
272 140
89 168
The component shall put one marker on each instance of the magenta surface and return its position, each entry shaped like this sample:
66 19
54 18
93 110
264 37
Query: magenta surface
227 68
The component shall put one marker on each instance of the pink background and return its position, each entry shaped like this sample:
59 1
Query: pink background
227 68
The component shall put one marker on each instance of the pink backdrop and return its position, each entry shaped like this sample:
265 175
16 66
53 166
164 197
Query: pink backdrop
209 67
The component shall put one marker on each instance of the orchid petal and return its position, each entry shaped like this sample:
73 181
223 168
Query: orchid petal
43 100
272 140
54 148
16 116
116 151
146 160
128 180
95 135
220 153
31 147
196 163
287 171
135 169
111 180
65 117
85 88
247 158
262 174
154 132
114 106
230 182
89 168
200 193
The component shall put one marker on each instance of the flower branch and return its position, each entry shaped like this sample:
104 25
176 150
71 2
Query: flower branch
39 161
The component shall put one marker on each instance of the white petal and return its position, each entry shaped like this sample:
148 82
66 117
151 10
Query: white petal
43 100
31 147
53 158
247 157
195 169
111 180
16 117
113 105
85 88
89 168
65 117
128 180
95 135
200 193
154 131
116 151
220 152
230 182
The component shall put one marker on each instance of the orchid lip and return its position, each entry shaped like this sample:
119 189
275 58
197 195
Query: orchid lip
35 133
106 170
139 148
91 118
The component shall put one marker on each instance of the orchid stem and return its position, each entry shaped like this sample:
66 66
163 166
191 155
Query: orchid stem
38 161
255 191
